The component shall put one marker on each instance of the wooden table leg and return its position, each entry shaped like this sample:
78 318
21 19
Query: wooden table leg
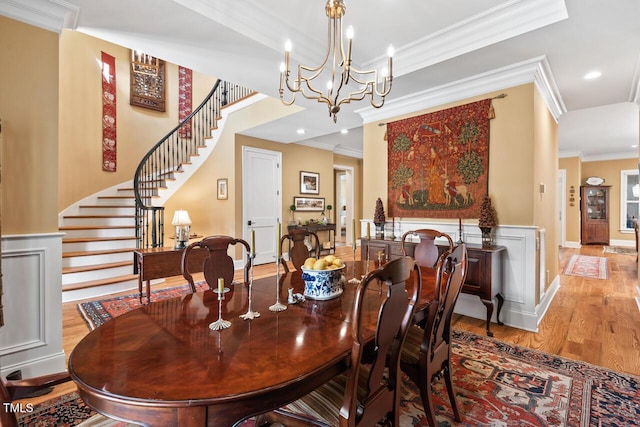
489 305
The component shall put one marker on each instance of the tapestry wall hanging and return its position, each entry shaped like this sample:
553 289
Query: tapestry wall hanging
438 163
185 79
108 113
147 82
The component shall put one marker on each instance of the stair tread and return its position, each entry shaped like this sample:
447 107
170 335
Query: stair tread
117 197
101 282
94 267
107 206
98 252
96 239
98 216
95 227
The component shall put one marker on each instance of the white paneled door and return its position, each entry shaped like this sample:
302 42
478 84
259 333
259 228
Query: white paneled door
262 199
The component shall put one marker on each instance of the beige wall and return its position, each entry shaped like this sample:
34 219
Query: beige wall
138 129
29 113
522 155
511 176
545 173
573 168
609 170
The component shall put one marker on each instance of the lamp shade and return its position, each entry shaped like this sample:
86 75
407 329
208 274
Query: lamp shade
181 218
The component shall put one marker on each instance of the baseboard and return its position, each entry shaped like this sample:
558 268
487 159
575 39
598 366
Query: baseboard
547 298
574 245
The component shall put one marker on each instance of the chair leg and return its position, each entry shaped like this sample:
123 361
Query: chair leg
429 409
451 392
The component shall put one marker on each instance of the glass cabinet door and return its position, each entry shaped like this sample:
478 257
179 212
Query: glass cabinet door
596 206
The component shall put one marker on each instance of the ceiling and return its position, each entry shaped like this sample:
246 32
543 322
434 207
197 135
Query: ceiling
445 51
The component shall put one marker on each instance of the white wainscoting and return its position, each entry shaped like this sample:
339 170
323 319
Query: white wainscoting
519 280
31 338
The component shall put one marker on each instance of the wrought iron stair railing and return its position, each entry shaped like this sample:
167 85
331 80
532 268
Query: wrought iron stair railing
170 154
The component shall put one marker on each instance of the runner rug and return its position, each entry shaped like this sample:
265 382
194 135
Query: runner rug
619 250
95 313
593 267
497 384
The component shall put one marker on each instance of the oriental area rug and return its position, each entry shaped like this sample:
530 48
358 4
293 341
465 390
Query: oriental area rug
593 267
497 384
95 313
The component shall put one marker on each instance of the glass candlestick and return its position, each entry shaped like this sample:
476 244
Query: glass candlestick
250 314
220 323
278 306
354 280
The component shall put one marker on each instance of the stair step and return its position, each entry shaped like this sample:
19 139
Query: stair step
98 216
109 210
96 239
94 267
99 220
101 282
96 227
102 206
92 253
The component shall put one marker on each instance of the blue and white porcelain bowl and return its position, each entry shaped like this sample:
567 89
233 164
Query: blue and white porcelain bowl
322 284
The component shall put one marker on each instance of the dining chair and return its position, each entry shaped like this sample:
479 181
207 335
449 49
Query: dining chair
369 390
426 252
298 250
426 354
218 263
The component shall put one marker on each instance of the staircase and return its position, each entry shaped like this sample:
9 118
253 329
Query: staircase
101 233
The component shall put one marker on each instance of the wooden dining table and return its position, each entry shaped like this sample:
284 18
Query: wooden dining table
161 364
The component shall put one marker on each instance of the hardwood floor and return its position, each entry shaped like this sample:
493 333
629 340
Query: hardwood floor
592 320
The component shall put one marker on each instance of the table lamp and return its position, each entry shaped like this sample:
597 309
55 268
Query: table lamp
183 225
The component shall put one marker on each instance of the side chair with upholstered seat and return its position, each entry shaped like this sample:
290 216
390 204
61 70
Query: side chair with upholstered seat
370 389
298 250
426 354
426 252
218 263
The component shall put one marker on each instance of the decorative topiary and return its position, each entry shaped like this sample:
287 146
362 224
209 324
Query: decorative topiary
487 221
487 213
378 214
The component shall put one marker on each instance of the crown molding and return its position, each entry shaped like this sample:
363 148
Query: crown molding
534 70
51 15
507 20
634 95
609 156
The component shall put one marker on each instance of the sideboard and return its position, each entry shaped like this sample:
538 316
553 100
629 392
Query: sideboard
484 269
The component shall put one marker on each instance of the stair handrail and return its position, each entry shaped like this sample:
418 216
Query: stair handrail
168 156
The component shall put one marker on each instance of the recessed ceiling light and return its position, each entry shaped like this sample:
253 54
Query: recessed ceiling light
634 146
592 75
344 131
301 131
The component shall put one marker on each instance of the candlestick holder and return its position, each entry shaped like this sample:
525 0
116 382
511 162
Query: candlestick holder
354 280
220 323
278 306
250 314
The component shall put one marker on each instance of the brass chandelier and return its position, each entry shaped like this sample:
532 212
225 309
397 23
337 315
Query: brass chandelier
336 71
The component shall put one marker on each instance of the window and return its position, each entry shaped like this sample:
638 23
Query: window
629 205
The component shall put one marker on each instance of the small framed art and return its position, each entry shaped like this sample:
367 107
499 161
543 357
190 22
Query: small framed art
309 182
309 204
223 189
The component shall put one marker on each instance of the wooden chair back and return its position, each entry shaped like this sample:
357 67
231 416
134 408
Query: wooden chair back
298 250
381 396
426 252
11 390
218 263
427 352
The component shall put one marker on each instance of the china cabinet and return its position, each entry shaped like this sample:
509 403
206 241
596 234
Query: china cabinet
594 213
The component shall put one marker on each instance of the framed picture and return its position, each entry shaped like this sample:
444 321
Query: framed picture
223 189
309 182
309 204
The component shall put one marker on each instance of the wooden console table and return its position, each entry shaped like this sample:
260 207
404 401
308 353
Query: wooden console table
158 263
330 228
484 269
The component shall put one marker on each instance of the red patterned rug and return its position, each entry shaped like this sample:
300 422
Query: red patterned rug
593 267
497 384
95 313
